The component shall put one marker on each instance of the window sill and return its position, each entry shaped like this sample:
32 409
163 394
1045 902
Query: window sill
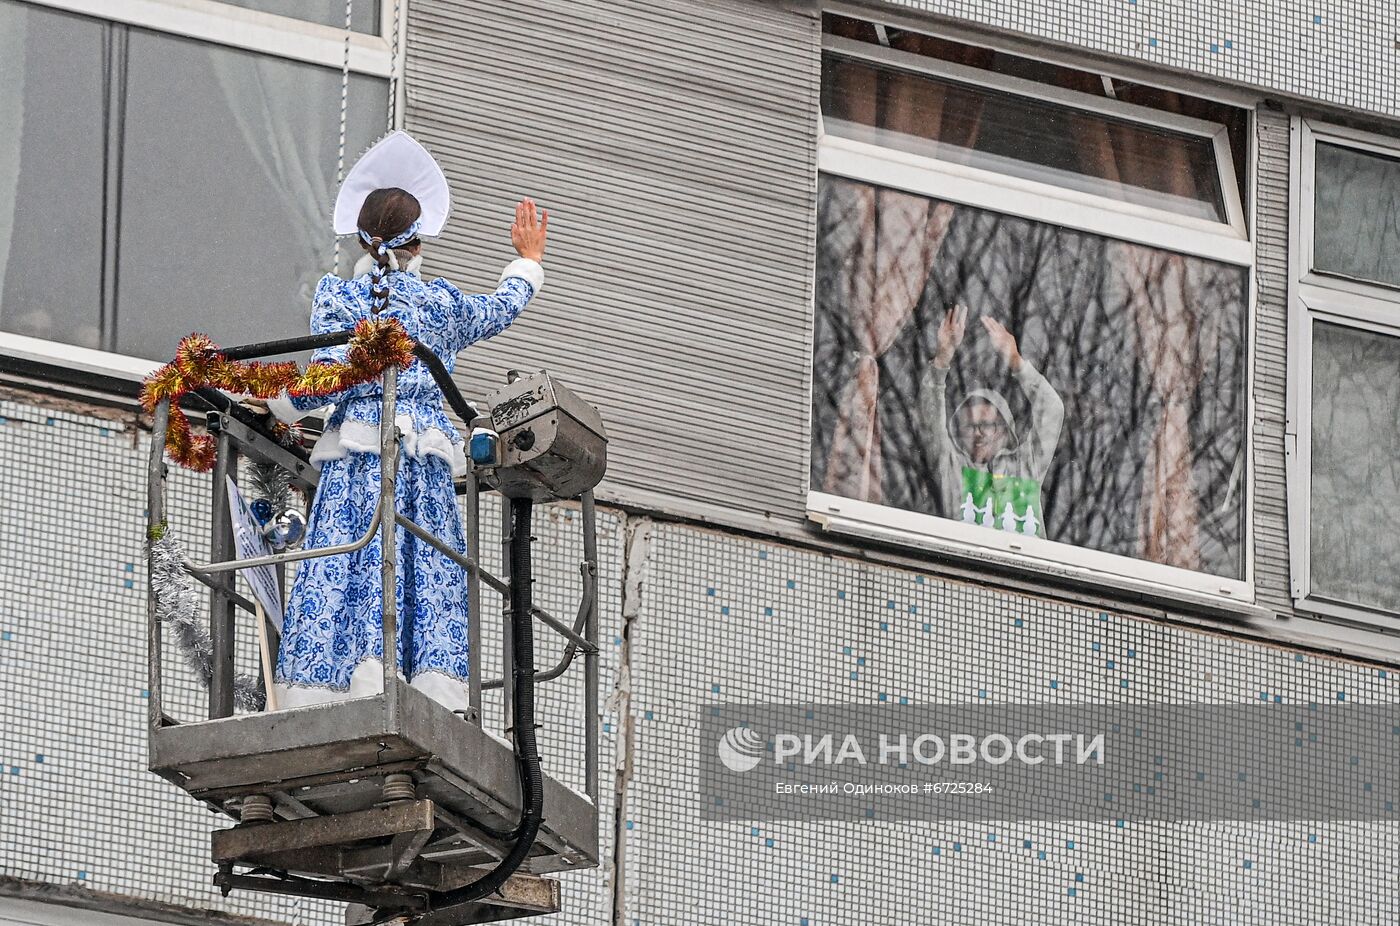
1059 564
80 366
1341 610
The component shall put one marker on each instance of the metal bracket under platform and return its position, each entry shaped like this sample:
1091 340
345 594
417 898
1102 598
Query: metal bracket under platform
386 801
520 896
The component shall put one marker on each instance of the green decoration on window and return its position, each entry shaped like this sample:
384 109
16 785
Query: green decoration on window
1007 503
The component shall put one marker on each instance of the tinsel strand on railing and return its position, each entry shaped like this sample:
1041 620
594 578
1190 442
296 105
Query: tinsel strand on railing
375 345
272 483
177 607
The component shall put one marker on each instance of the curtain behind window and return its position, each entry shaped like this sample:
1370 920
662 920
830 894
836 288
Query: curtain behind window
1172 332
227 190
898 237
152 185
51 174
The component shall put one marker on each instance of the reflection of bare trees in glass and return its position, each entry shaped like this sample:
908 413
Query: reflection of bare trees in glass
1357 233
1144 347
1178 327
1354 547
898 236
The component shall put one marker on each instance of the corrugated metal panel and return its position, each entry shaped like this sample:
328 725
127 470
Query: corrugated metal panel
674 144
1271 363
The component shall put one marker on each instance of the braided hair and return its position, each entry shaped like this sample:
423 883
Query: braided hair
388 221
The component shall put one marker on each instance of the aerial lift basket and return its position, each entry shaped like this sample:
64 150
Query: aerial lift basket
393 803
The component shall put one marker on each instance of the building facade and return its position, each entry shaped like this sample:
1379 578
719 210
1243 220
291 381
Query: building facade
1150 460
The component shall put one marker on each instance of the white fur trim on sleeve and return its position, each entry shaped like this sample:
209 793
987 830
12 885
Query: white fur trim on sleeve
284 410
528 270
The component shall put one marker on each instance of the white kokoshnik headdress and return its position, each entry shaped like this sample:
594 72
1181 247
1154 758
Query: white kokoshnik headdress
396 160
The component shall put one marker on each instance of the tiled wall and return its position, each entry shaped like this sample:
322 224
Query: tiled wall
77 806
728 619
692 616
1344 52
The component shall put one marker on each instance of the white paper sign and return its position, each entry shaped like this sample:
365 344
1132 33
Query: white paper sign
249 541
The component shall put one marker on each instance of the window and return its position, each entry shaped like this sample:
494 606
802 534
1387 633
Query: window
175 172
1344 435
364 15
1025 137
1084 410
1361 238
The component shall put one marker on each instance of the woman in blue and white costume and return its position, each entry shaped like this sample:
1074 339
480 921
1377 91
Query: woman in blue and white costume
331 636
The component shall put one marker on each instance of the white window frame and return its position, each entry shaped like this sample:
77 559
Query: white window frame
1228 242
74 358
1043 202
21 911
236 27
1336 300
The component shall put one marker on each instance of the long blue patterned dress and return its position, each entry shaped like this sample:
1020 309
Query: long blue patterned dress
332 641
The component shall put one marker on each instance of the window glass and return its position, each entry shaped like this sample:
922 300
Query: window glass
51 105
1355 466
1235 119
1022 137
1356 231
227 190
364 14
203 209
1121 428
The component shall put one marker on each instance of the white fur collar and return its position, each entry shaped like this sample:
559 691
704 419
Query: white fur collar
366 263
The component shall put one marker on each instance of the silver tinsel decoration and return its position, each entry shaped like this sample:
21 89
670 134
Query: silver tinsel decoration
274 505
177 606
272 482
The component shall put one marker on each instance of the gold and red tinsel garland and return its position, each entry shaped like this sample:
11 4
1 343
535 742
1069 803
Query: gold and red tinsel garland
376 344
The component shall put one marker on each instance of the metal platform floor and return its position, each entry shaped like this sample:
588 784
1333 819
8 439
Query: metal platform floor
324 771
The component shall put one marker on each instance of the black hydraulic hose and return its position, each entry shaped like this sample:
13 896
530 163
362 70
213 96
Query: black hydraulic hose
286 345
526 752
464 409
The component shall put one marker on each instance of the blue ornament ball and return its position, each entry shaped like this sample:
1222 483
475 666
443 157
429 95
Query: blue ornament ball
262 510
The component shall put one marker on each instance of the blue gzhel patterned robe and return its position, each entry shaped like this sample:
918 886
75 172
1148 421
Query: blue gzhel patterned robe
332 643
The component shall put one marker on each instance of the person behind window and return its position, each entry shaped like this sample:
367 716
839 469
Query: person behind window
989 471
